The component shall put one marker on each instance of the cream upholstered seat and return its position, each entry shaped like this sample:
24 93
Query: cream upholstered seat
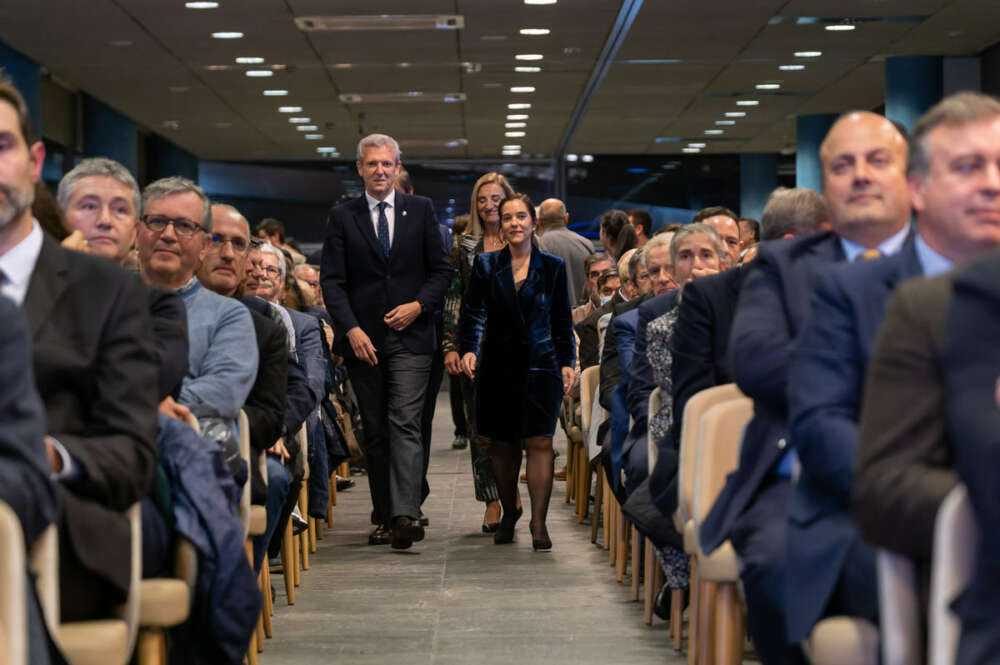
956 539
13 596
165 603
842 640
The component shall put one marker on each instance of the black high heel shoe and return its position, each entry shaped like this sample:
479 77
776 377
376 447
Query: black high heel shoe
543 543
505 530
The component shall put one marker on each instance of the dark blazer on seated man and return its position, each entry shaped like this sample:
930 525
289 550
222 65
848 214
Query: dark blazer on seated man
905 466
96 370
170 334
265 405
831 569
586 330
972 386
611 372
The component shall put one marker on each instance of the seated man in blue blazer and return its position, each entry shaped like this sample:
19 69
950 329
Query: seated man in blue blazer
863 161
831 570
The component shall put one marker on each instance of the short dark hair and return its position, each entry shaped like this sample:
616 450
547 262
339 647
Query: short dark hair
792 211
589 262
610 273
642 219
754 226
270 226
10 94
612 223
526 200
672 227
712 211
957 110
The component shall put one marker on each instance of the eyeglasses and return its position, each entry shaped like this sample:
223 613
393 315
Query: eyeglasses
183 227
272 271
240 245
594 274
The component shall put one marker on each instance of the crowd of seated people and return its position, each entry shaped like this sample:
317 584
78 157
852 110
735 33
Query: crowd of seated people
861 322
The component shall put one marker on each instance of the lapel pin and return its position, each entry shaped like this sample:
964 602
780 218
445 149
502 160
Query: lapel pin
404 213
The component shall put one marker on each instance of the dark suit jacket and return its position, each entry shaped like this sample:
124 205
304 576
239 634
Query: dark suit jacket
640 372
360 287
96 370
586 330
611 373
265 405
170 333
825 381
904 465
771 310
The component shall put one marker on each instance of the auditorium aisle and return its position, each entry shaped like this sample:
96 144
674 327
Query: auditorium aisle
455 598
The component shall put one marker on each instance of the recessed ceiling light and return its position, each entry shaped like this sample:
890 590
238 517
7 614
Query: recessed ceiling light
571 157
298 121
259 73
227 35
201 5
289 109
690 149
510 152
747 102
539 2
697 145
535 31
808 54
516 125
519 105
725 122
791 68
216 68
735 114
306 128
840 27
666 139
512 147
522 88
586 158
527 69
714 131
249 60
529 56
326 148
313 137
514 135
768 86
172 124
517 116
275 93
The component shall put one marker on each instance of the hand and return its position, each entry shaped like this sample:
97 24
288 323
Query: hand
169 407
703 272
279 449
55 459
402 316
362 346
76 242
469 364
452 363
569 378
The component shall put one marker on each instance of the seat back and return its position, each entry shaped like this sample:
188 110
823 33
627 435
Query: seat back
303 438
13 592
129 611
589 381
244 427
44 563
899 609
696 406
654 407
956 539
718 451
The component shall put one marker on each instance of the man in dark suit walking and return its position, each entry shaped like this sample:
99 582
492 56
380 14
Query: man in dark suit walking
383 274
863 160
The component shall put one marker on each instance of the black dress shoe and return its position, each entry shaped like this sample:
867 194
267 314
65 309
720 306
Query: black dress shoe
299 525
505 530
405 532
424 521
382 535
344 484
541 543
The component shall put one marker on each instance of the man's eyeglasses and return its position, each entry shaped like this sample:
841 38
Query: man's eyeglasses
240 245
183 226
594 274
272 271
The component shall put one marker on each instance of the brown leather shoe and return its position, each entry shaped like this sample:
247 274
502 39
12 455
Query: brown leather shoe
382 535
406 531
560 474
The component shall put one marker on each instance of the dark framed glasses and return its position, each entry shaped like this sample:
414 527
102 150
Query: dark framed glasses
183 226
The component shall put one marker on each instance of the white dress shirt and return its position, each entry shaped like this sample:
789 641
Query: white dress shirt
18 263
390 213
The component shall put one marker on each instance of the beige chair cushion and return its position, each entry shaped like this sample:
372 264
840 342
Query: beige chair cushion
842 641
690 538
163 603
95 642
721 566
258 520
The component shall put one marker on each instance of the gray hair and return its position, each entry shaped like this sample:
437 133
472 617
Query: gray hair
97 166
176 184
792 211
957 110
378 141
638 258
698 228
268 248
658 240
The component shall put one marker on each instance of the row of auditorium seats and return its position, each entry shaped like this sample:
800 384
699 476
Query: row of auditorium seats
153 605
711 434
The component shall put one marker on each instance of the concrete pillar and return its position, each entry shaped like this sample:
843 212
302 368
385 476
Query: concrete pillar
758 178
108 133
913 84
810 130
27 77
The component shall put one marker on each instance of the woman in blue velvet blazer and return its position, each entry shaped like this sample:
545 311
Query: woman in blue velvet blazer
517 327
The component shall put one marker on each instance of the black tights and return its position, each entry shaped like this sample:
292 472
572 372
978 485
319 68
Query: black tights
506 459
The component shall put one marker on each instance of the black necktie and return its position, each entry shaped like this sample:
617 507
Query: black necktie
383 229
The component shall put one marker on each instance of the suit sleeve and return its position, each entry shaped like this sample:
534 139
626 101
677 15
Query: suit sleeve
561 319
640 372
473 321
170 331
825 380
693 368
333 275
310 351
229 368
610 372
265 407
118 454
299 400
902 471
431 294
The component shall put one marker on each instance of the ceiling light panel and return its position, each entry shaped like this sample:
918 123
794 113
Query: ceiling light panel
381 22
249 60
517 116
534 32
228 35
529 57
411 96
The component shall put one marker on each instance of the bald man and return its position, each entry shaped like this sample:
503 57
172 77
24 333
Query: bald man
570 246
863 160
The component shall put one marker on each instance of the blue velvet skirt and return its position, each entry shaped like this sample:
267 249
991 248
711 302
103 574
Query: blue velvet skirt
514 403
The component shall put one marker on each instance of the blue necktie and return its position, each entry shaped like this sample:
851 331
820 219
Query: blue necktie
383 229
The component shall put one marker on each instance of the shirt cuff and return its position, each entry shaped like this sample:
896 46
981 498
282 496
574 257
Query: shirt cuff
70 469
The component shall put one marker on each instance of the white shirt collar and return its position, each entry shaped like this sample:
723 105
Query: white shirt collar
18 263
372 201
931 261
887 247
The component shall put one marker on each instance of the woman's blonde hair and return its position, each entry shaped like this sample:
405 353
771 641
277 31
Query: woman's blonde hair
476 225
